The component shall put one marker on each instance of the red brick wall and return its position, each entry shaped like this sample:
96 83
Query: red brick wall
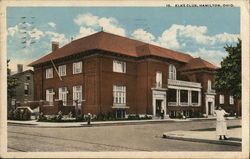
98 78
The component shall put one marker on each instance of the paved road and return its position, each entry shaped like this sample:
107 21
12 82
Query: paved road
146 137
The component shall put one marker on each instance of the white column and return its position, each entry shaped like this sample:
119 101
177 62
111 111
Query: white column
177 97
199 98
189 98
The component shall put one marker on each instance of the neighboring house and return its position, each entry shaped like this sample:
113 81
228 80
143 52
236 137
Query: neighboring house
24 91
104 73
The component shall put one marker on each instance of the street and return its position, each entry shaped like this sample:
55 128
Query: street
146 137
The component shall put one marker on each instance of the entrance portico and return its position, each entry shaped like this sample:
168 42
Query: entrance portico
210 102
159 100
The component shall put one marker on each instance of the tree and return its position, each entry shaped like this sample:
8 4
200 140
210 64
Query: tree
11 82
228 76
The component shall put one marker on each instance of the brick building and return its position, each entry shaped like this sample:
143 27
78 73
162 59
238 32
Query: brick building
104 72
24 91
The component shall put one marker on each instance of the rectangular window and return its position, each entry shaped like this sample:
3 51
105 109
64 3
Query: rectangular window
49 73
77 95
119 94
77 67
158 79
62 70
119 66
28 78
195 97
26 88
63 95
231 100
221 99
49 96
183 97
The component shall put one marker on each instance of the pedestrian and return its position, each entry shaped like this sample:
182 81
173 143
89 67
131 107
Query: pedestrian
162 113
89 118
221 125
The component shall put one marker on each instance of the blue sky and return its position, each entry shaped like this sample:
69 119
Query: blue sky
199 31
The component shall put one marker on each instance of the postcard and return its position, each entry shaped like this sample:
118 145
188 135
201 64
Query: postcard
124 79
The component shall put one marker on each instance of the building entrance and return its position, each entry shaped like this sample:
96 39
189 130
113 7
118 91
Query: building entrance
158 108
210 104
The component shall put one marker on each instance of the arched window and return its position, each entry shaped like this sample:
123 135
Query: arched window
172 72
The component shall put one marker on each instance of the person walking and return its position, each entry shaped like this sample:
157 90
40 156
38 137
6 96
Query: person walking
221 125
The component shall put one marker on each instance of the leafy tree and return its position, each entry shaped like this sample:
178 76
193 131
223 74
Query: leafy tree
228 77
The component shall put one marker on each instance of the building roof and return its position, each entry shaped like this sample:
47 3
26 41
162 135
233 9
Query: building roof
112 43
121 45
22 73
197 63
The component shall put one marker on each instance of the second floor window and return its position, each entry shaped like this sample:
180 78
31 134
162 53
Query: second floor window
119 66
26 88
77 67
49 73
221 99
172 72
119 94
209 85
158 79
62 70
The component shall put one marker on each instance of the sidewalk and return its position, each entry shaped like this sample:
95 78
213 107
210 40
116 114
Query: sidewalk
34 123
204 136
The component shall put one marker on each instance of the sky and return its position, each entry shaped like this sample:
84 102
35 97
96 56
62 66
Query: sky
199 31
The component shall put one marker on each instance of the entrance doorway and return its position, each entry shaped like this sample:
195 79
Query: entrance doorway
210 104
158 107
209 108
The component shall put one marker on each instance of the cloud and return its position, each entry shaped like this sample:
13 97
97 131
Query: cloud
198 34
213 56
169 38
84 31
12 30
61 38
53 25
143 35
86 19
108 24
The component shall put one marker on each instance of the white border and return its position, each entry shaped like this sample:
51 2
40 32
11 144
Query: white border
244 4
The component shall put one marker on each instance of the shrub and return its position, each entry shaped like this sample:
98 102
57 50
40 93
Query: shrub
17 114
11 114
26 115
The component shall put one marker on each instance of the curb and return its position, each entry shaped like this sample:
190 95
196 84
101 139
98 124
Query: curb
223 142
94 124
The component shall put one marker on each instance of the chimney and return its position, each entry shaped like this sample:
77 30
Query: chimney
19 68
55 45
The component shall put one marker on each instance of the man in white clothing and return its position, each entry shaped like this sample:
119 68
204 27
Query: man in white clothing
221 125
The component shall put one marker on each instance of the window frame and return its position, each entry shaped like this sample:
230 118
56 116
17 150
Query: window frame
76 94
49 73
222 99
119 94
159 79
75 69
62 70
231 100
60 95
116 63
171 72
